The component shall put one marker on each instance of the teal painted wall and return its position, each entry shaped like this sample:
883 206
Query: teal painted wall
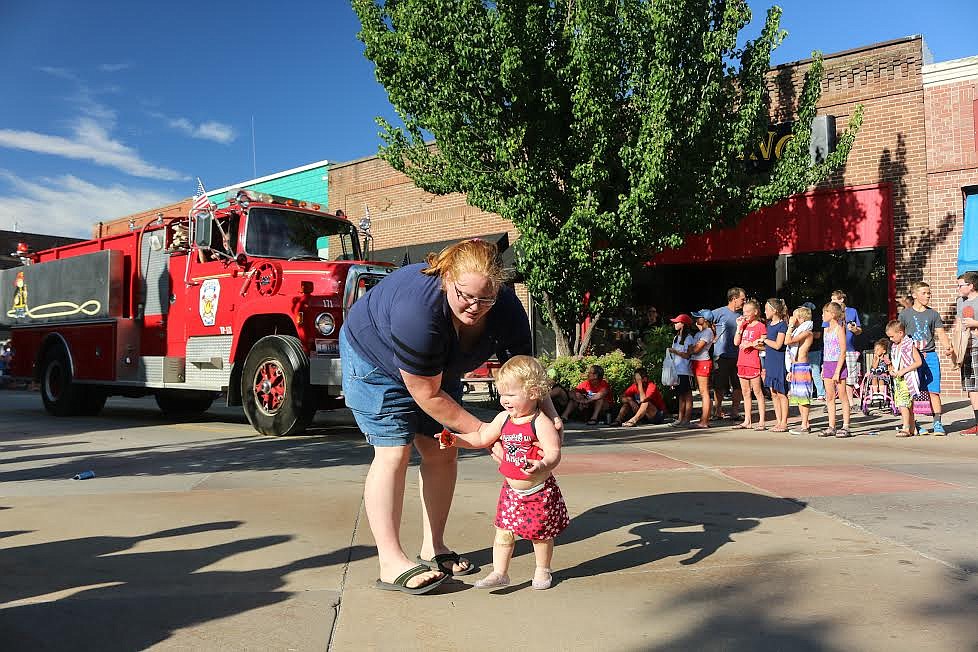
309 185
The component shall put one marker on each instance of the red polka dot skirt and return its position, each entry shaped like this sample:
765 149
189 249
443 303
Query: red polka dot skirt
537 517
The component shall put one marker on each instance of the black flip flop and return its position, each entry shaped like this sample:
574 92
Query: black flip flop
400 582
451 558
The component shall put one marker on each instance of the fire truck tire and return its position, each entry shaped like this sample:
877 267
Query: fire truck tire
183 403
275 391
62 396
93 401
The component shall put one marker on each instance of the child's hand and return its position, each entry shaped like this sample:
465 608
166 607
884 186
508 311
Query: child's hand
446 439
532 467
792 321
740 321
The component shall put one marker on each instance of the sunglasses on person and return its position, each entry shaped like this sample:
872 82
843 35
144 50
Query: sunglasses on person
483 302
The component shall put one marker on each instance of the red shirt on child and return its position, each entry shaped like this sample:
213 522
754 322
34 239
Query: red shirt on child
591 387
655 396
749 356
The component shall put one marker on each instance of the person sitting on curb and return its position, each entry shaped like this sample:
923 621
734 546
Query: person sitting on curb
591 397
642 401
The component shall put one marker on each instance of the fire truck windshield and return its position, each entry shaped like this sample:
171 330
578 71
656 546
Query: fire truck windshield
284 233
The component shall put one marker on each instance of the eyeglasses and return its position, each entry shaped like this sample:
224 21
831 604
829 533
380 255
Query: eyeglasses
484 302
961 285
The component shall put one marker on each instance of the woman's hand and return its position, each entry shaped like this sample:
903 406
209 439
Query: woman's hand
496 451
559 426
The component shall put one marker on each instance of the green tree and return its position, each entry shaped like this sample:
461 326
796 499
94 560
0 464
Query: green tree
605 130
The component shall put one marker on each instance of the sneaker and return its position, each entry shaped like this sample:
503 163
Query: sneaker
939 429
828 432
970 431
800 431
922 430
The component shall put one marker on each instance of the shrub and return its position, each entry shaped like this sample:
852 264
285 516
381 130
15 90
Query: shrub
569 371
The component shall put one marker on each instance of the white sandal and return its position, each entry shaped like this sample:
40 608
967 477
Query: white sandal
544 584
492 581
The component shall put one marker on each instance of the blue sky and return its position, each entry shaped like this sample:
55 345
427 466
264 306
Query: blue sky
109 107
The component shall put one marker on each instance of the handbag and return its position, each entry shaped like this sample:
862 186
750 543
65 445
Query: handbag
960 339
669 376
921 404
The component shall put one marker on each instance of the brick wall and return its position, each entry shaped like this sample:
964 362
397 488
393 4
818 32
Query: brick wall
400 212
950 95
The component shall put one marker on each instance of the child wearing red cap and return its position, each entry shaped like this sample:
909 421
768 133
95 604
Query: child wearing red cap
680 349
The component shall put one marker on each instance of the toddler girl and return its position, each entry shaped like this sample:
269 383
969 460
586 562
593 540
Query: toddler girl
834 368
530 503
749 331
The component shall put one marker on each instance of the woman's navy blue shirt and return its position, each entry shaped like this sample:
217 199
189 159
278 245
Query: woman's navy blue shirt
404 322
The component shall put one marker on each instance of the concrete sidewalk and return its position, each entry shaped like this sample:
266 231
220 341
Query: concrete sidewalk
203 536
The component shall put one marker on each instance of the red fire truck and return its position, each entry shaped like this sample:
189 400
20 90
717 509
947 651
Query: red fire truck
245 299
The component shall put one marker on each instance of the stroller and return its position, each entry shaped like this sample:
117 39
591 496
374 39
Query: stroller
876 391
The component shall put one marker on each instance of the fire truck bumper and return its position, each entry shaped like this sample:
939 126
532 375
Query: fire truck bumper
326 371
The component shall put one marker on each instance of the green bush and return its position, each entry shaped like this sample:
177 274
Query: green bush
569 371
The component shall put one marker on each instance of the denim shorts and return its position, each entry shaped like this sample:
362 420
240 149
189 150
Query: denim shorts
382 406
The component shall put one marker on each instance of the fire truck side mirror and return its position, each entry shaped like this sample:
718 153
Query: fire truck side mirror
202 230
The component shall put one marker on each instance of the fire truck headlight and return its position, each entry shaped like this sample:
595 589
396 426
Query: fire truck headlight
325 323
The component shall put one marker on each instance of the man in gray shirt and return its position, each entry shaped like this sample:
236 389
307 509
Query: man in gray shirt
725 352
967 313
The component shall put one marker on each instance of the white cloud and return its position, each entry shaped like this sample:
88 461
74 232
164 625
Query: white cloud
91 142
210 130
114 67
61 73
68 205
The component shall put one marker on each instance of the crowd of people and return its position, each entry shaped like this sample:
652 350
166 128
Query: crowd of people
755 353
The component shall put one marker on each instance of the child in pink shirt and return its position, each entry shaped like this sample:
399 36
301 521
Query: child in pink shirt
749 339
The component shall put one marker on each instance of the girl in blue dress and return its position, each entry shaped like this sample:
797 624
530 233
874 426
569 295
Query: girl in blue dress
775 374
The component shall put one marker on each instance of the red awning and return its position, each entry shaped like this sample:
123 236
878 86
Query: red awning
822 220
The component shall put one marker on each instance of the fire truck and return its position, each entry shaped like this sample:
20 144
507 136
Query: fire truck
245 299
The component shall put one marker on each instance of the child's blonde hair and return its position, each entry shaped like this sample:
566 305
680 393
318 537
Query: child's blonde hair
896 325
835 309
526 372
803 313
757 306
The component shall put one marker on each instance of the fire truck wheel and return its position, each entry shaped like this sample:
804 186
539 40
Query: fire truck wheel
62 396
275 390
182 403
93 401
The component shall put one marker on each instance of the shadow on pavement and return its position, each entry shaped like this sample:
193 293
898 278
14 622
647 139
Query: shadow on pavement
720 514
746 614
205 456
130 601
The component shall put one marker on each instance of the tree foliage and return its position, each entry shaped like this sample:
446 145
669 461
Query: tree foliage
605 130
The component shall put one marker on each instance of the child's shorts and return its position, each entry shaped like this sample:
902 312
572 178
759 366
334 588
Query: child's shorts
930 373
748 373
538 517
800 390
685 385
901 393
701 368
829 367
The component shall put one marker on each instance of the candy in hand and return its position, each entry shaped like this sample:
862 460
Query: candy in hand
446 439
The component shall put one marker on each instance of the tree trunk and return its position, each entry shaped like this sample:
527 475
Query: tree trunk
563 345
585 340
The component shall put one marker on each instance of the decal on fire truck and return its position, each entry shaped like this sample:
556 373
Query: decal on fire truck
210 296
20 310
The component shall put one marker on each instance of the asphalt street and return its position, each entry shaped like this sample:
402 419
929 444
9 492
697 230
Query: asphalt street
207 536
